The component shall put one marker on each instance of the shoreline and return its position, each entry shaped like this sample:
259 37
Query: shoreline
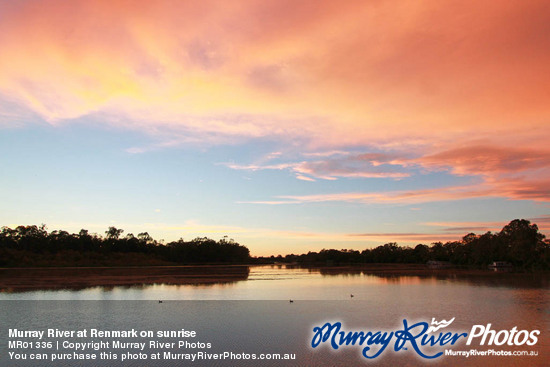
77 278
13 280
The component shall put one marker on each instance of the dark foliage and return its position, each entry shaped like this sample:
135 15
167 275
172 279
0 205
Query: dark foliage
33 245
519 243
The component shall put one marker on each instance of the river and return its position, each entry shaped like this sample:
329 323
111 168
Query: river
259 310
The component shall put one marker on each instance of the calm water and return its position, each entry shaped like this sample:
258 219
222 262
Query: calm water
248 310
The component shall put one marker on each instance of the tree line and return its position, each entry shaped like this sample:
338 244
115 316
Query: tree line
34 246
519 243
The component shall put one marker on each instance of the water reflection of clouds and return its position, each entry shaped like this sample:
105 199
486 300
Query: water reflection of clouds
280 282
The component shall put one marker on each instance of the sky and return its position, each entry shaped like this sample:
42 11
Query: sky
289 126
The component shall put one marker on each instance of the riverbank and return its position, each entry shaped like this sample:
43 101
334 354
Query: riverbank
76 278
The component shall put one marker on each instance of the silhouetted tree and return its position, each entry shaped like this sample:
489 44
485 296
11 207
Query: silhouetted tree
113 233
523 242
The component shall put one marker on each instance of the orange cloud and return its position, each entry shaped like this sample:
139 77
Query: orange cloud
325 72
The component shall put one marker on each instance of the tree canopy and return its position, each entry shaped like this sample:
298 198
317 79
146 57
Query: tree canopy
33 245
519 243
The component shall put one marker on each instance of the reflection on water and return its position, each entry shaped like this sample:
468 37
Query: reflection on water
382 298
416 273
248 282
20 279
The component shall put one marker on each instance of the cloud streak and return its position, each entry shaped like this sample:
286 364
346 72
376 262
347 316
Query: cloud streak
406 237
486 160
347 165
510 173
405 197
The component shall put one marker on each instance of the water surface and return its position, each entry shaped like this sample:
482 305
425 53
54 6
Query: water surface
249 308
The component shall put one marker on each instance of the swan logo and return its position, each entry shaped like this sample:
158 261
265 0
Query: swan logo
439 325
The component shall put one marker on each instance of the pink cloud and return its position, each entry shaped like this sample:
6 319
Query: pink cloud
257 167
326 73
524 188
513 172
305 178
487 160
510 173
